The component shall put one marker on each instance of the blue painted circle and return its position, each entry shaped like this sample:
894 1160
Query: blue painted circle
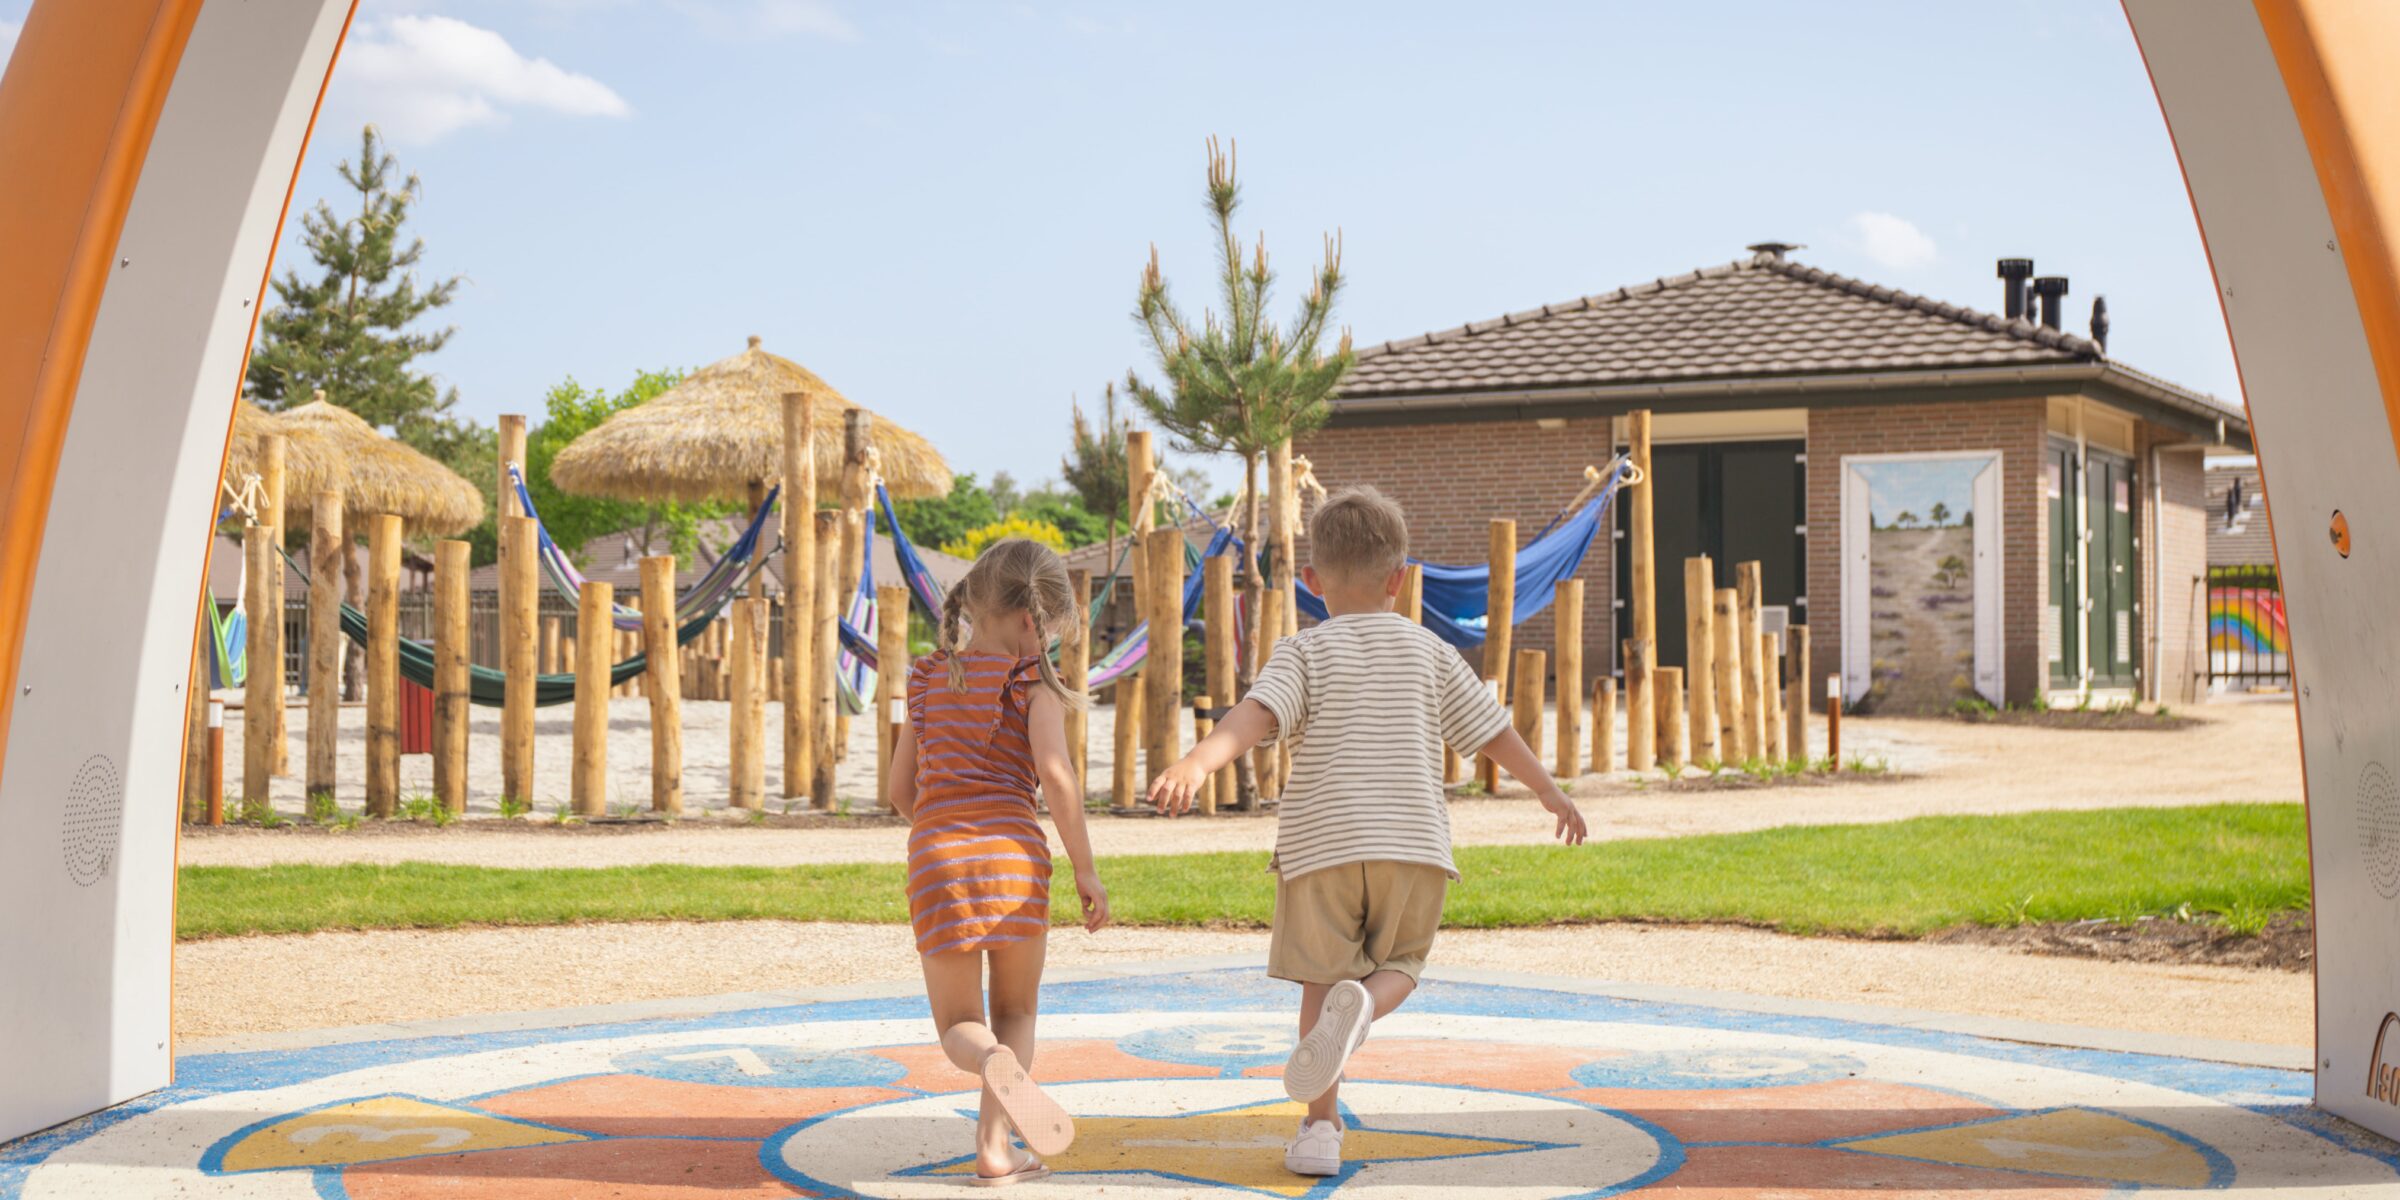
761 1066
1673 1070
1230 1048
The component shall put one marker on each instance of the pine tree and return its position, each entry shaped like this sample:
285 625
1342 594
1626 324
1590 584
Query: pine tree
1095 466
1238 383
349 330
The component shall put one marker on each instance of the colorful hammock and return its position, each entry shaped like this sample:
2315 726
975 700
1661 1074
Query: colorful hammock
228 644
1130 650
1457 599
706 594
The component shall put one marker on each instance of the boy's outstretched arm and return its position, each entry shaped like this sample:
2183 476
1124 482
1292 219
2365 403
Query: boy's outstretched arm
1518 759
1246 726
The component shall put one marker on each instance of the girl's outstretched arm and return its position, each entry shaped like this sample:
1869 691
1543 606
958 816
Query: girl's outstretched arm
1046 722
901 791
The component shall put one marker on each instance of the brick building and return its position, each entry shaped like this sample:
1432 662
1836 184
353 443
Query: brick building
1955 502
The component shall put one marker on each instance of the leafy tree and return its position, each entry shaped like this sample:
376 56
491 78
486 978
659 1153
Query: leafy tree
976 540
571 410
1941 513
1235 382
350 330
942 520
1065 512
1095 467
1906 520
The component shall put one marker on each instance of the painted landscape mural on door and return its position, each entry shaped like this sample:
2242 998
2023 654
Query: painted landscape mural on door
1921 569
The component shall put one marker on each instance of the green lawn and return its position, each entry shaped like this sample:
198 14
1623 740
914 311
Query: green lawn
2243 862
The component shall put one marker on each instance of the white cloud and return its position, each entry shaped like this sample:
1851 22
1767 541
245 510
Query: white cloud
421 78
1891 241
811 18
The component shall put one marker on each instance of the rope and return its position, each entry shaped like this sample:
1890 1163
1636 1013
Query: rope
246 499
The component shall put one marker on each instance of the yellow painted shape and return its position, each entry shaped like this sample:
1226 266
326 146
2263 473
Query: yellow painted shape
1241 1147
2075 1142
381 1129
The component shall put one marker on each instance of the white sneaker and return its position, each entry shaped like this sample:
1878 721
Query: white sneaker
1316 1063
1316 1151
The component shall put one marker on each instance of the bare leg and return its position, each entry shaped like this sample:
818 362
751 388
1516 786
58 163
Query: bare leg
1387 988
954 985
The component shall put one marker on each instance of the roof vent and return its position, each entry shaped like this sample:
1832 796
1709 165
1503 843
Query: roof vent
2050 290
2014 272
2100 322
1762 253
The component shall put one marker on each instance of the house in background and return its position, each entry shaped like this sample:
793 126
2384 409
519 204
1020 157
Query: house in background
2237 515
1957 503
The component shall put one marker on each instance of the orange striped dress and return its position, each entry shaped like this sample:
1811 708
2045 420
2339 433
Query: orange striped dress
978 861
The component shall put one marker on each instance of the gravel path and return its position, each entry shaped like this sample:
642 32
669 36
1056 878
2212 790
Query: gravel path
261 984
2234 752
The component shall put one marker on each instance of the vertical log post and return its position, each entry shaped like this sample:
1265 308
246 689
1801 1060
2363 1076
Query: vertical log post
195 713
1202 725
1668 681
1833 722
754 497
745 771
1141 517
663 686
1074 670
1163 669
1747 588
1217 615
1770 657
212 777
552 641
1283 523
1733 728
1568 604
258 683
519 594
890 712
326 546
1487 772
1265 763
799 588
858 485
1641 720
1529 676
825 633
383 665
1604 725
270 478
451 700
1700 658
1499 626
589 781
1125 769
1795 701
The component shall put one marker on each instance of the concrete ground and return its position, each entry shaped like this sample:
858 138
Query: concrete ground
1483 1085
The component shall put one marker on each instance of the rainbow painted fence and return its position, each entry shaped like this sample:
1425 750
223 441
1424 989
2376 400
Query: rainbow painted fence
2249 645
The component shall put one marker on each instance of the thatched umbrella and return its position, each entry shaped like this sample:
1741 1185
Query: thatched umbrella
327 446
720 431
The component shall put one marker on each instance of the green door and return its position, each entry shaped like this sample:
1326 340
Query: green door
2062 618
2110 629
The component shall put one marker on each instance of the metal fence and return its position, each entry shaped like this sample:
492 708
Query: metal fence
2249 645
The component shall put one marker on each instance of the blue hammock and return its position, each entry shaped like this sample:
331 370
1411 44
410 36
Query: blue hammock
1457 599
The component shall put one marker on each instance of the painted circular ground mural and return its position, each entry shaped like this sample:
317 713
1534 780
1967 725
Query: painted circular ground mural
1474 1091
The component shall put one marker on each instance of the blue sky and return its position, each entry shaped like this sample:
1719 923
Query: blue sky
943 208
1915 487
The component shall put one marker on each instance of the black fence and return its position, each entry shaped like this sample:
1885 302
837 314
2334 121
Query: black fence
2249 645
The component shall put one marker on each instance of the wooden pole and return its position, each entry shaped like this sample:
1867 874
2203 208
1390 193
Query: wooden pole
745 769
1733 727
1568 604
519 581
1641 721
1795 702
213 778
1141 518
258 684
1163 669
383 665
512 450
1746 587
552 646
823 699
1074 670
799 588
858 485
891 685
1668 681
1604 725
1770 657
270 477
1530 669
1700 657
663 685
195 712
326 546
1500 601
1125 783
1283 520
1411 603
1217 614
1203 725
755 495
1833 722
589 786
451 696
1487 772
1265 763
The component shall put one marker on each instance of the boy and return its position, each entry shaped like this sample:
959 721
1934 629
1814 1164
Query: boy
1362 847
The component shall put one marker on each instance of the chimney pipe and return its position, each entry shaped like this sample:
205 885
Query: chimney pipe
2100 322
2051 290
2014 271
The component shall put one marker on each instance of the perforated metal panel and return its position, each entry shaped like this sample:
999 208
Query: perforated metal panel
92 820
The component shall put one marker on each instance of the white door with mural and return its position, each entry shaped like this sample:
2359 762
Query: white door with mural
1921 580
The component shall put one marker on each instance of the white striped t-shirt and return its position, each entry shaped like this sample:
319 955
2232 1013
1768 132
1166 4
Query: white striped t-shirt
1368 699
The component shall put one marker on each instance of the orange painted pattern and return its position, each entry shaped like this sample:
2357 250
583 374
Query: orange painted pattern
978 860
623 1168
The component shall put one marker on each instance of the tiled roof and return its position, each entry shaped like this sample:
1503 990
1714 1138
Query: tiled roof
2242 540
1758 317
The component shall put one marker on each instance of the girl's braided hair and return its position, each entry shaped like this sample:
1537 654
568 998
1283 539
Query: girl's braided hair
1014 576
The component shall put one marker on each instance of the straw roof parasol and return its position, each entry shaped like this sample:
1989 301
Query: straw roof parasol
721 429
328 446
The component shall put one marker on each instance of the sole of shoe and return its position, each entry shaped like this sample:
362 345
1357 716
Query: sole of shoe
1046 1127
1316 1063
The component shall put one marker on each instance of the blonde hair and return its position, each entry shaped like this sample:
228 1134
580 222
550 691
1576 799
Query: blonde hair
1012 576
1358 532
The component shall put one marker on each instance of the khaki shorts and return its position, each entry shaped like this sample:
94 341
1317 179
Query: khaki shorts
1350 921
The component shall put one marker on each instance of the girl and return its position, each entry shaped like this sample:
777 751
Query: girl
986 721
